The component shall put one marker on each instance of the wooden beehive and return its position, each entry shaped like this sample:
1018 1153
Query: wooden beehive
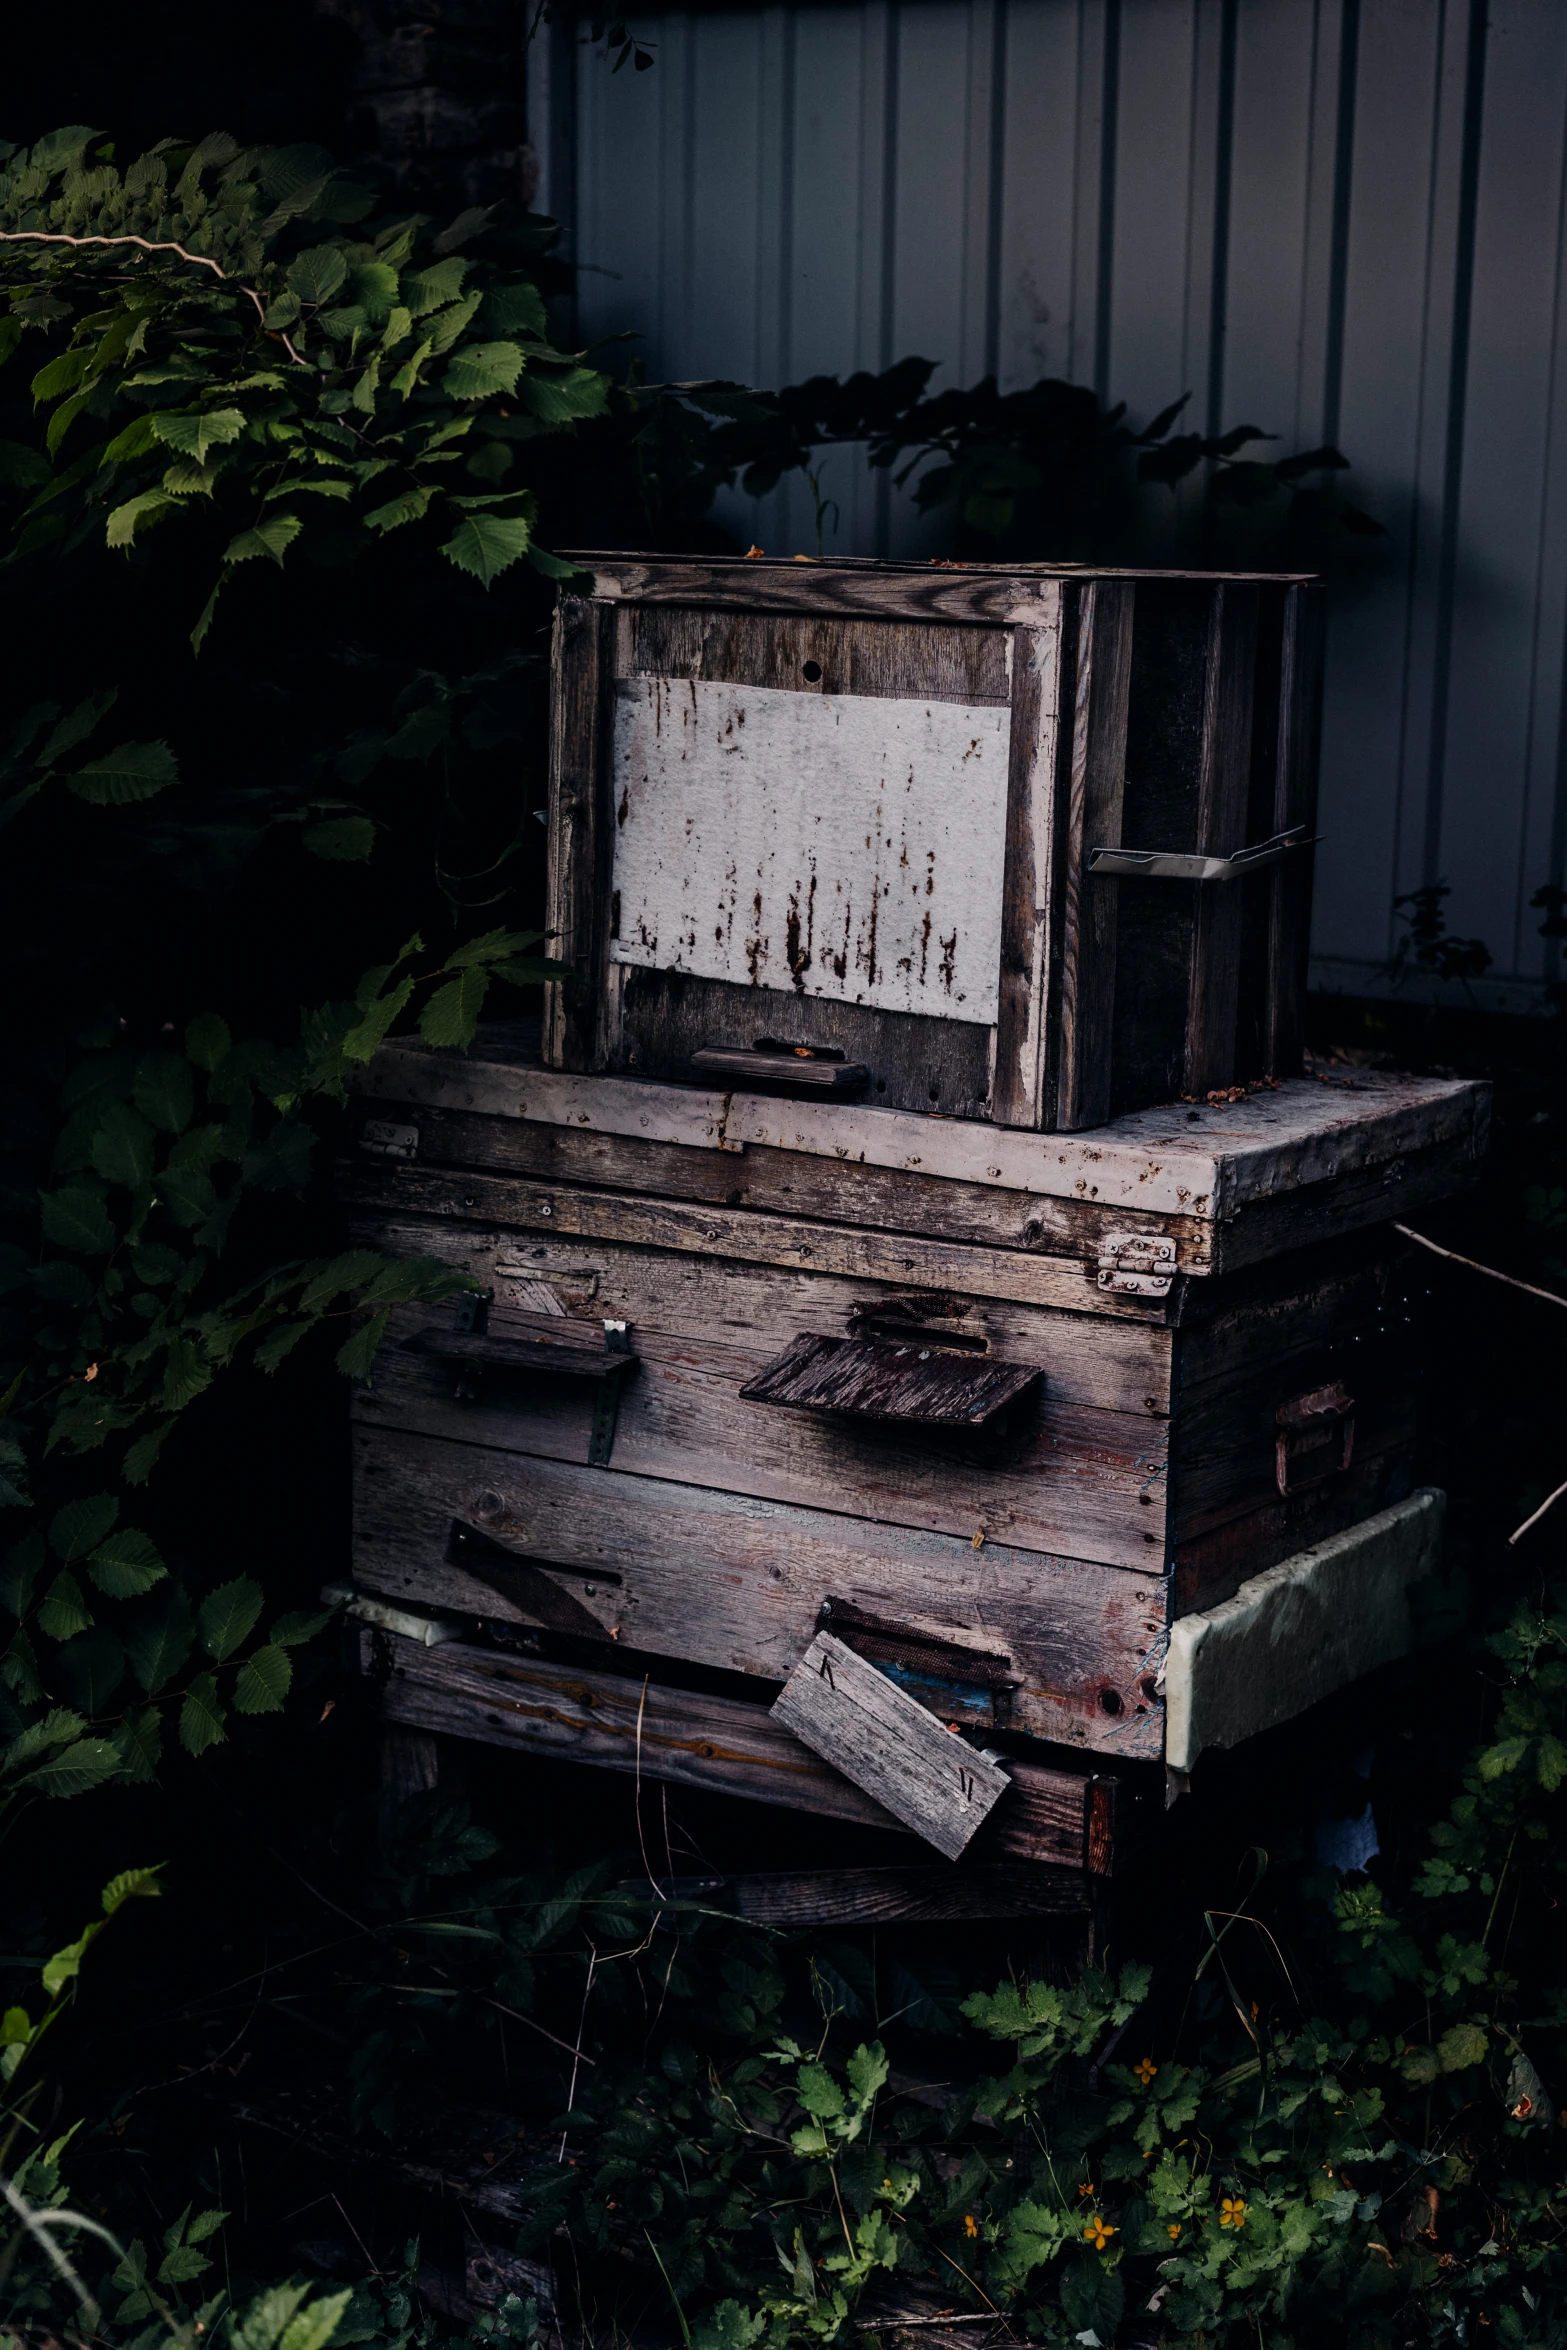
1014 1419
1027 845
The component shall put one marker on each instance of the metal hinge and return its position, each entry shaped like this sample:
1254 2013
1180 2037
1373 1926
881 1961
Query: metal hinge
1137 1264
1173 865
384 1141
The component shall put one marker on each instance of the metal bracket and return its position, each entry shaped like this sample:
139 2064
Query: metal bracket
606 1400
1169 865
382 1140
1136 1264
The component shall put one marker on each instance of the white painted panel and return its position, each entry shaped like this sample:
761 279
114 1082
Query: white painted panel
843 845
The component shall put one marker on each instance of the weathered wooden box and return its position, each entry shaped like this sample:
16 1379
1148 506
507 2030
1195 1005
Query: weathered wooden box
1001 1413
1029 845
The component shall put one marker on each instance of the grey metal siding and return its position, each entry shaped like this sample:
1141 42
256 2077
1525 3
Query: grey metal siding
1337 219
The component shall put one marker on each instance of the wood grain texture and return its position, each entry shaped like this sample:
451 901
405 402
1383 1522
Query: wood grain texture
855 1718
894 591
1213 976
1097 1360
1020 1090
1295 802
880 658
729 1581
1089 903
721 1744
884 1380
577 891
1064 1479
790 1900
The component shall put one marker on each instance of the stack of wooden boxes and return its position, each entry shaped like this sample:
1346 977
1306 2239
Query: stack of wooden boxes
913 1272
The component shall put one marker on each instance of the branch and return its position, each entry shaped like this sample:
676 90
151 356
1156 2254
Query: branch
38 236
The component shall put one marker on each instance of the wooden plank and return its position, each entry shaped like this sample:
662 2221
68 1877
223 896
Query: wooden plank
868 1728
1116 1365
1295 802
729 1581
1088 902
890 591
789 1899
829 1190
1020 1091
848 846
1067 1479
882 1380
577 893
723 1745
1223 789
1163 1160
878 658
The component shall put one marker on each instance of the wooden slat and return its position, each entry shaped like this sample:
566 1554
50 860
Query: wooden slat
872 1731
870 1897
726 1580
1089 902
722 1745
1295 802
580 837
1223 783
1019 1091
878 1380
880 590
878 658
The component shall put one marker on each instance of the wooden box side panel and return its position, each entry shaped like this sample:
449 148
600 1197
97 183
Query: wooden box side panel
579 831
721 1579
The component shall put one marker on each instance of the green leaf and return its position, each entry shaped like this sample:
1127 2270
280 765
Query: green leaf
92 1666
407 506
136 771
21 468
60 375
185 1376
263 1681
356 1354
312 2327
228 1615
485 545
515 309
343 839
85 1765
191 433
79 1526
122 1148
479 369
202 1716
207 1040
58 1728
139 1740
427 289
138 513
157 1647
315 276
75 1218
62 1611
14 1490
363 1041
131 1885
126 1565
452 1014
271 538
141 1456
23 1564
560 398
77 725
291 1630
1461 2046
163 1091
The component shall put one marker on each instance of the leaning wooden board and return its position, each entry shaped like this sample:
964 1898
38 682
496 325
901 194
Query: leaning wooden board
1228 1183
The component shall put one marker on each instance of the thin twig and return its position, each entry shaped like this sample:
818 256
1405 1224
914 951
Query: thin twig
519 2018
38 236
1551 1296
582 2020
1548 1503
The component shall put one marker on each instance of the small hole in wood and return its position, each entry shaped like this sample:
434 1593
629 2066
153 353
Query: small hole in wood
811 672
1148 1686
1110 1701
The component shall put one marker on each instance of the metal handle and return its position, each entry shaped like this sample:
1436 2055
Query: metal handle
1169 865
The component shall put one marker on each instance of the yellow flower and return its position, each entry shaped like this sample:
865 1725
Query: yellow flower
1173 2230
1086 2188
1098 2233
970 2224
1145 2068
1232 2212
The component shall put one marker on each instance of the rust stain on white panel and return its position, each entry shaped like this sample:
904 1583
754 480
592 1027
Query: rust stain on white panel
840 845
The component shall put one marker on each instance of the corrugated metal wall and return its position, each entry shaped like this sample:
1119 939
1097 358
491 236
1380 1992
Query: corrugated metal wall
1339 219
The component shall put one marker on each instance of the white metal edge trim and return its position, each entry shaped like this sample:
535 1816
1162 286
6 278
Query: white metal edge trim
1357 1583
1129 1164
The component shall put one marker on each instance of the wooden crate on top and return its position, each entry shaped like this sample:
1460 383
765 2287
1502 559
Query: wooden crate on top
1026 845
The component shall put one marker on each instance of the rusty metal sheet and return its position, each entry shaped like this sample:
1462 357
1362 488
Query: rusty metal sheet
873 1379
846 846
